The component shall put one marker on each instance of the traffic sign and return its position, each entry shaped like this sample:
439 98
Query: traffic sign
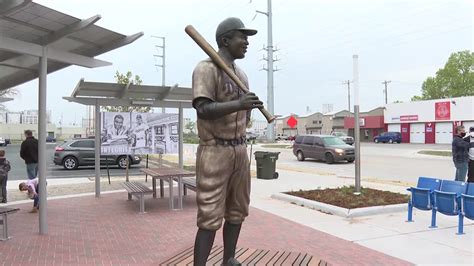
292 122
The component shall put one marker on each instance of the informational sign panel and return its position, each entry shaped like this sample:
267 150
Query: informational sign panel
138 133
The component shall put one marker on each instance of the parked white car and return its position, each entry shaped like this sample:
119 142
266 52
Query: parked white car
3 142
347 139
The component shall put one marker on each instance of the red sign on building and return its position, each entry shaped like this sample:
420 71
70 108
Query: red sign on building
292 122
443 111
409 118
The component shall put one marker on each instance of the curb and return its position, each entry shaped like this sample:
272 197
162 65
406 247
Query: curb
339 211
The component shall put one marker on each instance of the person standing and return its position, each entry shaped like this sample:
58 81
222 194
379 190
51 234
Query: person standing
222 164
4 169
470 172
460 151
29 153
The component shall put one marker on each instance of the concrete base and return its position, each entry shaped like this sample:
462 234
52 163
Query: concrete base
339 211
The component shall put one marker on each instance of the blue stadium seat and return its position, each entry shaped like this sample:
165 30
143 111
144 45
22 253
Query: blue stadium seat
447 200
467 207
421 195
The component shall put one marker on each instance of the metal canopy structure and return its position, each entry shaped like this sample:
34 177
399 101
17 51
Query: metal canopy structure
36 40
112 94
27 27
5 99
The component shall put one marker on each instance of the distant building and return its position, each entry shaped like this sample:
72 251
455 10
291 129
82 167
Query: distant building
431 121
371 124
13 125
316 123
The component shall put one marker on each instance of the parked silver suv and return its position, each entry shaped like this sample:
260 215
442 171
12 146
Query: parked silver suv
322 147
80 152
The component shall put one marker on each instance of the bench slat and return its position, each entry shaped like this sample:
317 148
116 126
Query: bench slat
135 187
8 210
190 183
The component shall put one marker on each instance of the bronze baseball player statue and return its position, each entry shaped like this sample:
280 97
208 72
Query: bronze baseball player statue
222 165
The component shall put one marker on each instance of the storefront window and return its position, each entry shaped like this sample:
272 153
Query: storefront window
159 130
174 129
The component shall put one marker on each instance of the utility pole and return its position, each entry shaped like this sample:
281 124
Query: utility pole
270 70
386 82
355 68
163 65
348 82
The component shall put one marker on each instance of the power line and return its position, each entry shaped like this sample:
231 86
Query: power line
163 62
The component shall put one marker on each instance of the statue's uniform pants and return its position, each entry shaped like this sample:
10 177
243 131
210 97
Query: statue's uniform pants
223 185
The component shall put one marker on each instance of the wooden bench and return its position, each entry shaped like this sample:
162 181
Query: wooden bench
249 256
189 183
4 211
138 190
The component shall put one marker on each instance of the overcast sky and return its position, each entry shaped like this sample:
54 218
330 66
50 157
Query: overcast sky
404 41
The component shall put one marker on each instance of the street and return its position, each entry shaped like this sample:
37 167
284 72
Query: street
394 162
18 167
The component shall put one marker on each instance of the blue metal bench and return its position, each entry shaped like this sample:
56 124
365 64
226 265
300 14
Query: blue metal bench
421 195
447 200
467 207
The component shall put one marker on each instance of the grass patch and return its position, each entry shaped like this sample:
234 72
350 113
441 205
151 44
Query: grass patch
277 146
437 153
344 197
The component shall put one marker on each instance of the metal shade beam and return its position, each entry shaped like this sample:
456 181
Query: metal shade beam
125 102
12 5
78 26
22 47
122 42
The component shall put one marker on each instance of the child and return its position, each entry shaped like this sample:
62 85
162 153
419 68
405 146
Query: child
32 187
4 169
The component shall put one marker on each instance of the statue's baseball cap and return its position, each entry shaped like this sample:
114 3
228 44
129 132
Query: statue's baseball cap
230 24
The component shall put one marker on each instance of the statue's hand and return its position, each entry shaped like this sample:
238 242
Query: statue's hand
250 101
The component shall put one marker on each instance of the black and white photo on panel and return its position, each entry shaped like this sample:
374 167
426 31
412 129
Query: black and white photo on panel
139 133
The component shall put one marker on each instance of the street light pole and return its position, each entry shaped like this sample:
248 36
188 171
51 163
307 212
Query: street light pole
355 67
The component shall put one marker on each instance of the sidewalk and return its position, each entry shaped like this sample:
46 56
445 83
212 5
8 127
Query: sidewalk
386 233
109 230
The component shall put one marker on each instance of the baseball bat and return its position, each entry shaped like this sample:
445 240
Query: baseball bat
216 58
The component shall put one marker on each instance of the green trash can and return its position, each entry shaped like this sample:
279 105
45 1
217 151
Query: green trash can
266 162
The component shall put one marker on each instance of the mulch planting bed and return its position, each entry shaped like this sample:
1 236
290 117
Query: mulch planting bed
344 197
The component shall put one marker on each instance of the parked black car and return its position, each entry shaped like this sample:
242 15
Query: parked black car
322 147
80 152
